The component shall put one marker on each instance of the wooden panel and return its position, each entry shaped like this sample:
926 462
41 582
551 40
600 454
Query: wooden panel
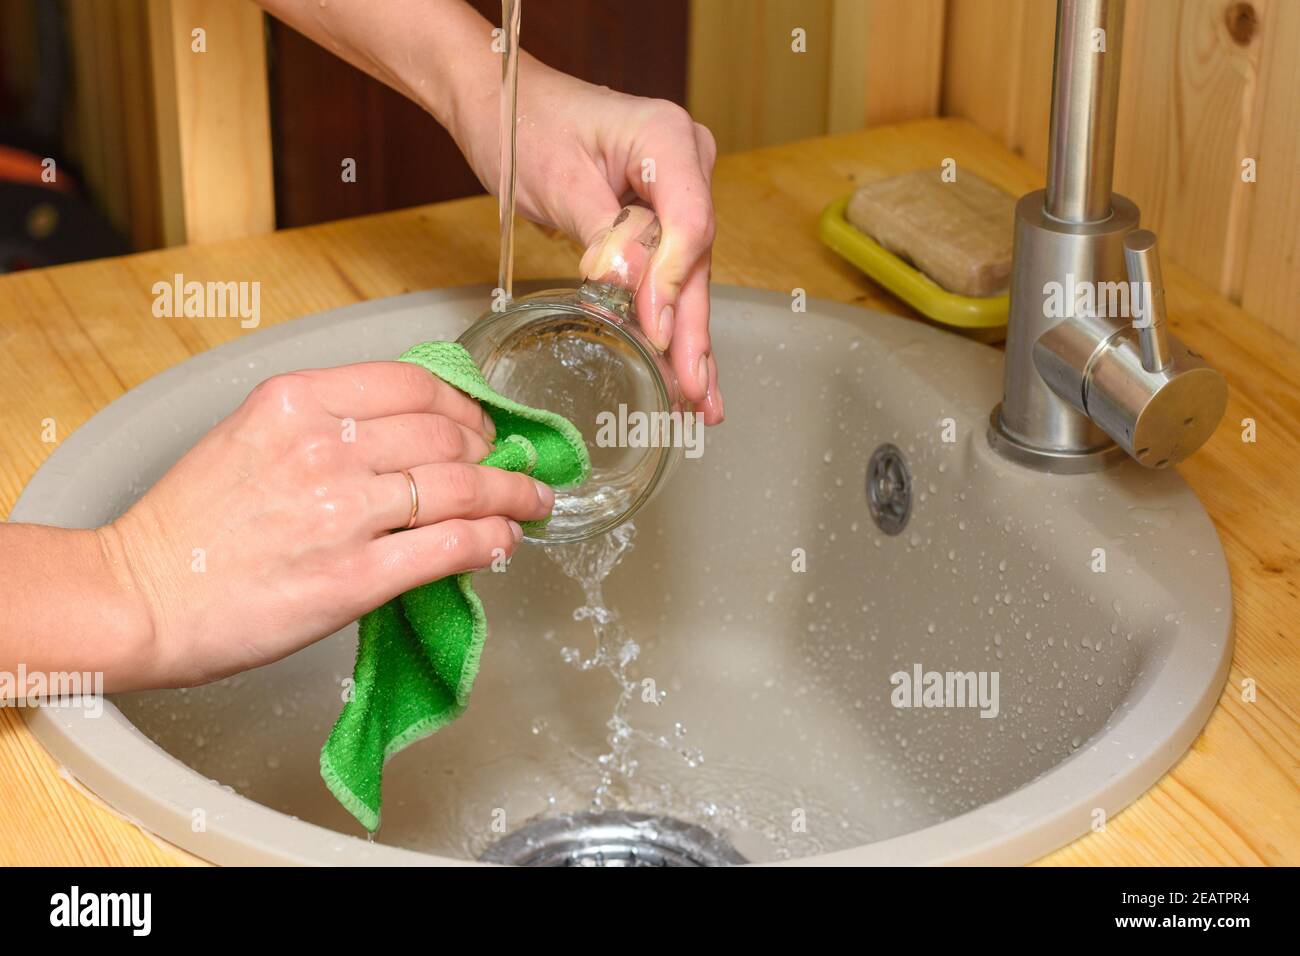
17 57
981 35
1265 276
1184 116
214 134
324 110
904 60
113 138
746 83
866 62
998 69
1033 70
722 87
78 336
851 41
1206 84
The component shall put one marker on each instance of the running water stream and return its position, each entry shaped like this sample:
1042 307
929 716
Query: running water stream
511 12
587 563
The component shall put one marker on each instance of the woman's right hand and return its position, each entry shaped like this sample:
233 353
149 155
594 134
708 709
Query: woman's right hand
273 531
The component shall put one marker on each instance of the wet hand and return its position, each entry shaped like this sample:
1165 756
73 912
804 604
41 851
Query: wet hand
583 152
274 530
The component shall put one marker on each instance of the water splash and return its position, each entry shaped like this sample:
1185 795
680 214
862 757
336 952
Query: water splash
588 563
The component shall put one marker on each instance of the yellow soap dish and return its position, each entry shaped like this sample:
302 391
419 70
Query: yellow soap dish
905 281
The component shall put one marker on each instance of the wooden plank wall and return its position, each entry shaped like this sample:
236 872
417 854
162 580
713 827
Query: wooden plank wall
1206 85
214 120
175 145
866 62
113 137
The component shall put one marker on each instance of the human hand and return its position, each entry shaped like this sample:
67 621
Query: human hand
581 150
273 531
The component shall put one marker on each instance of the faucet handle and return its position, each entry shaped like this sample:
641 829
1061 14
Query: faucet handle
1147 298
1148 391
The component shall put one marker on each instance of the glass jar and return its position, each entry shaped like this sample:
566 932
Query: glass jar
581 353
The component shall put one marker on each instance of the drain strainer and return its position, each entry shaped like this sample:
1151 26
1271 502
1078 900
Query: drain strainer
612 839
889 489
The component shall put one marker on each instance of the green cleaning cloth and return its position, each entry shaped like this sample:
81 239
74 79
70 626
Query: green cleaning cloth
417 655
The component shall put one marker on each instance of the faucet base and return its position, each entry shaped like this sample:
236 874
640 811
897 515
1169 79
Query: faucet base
1052 461
1052 263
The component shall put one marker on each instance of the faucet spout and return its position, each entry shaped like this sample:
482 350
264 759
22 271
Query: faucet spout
1092 372
1085 104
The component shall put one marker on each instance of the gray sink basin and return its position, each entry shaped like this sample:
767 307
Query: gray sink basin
767 608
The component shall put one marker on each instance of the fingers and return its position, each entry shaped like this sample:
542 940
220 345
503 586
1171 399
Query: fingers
714 411
690 351
416 557
379 389
623 254
406 441
679 192
707 147
459 490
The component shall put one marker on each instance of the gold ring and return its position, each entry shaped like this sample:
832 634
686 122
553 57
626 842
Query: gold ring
415 500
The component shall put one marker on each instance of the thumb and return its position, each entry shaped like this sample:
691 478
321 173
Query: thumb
590 217
622 253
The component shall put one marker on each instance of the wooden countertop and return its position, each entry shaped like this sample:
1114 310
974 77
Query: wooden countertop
75 337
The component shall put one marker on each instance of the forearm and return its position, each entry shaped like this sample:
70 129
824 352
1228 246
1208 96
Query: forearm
67 604
437 53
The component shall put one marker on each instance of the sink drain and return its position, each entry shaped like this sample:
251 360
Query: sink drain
889 489
612 839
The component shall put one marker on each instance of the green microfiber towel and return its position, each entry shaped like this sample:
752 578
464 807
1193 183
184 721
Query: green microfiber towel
417 655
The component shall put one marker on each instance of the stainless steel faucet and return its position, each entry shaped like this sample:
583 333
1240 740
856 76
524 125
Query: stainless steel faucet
1092 371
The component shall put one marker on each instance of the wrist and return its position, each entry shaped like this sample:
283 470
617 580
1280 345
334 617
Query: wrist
458 80
471 112
134 657
70 606
474 113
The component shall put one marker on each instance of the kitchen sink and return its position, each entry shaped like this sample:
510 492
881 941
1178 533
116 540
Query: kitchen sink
863 636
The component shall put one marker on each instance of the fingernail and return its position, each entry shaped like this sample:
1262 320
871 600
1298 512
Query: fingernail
517 530
664 333
489 426
715 393
545 494
702 373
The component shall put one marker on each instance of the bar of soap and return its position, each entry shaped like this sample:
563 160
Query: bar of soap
958 233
